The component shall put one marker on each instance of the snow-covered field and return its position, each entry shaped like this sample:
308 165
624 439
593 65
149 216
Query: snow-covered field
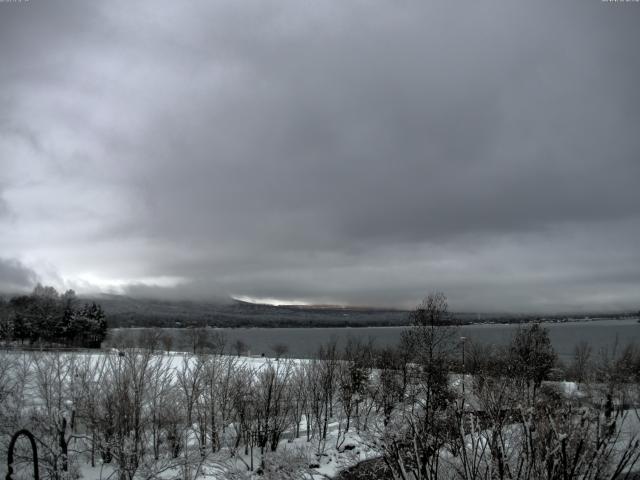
138 415
43 388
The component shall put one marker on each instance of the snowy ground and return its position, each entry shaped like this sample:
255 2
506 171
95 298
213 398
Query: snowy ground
338 451
351 449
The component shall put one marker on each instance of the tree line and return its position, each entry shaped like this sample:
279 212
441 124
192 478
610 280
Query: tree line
434 407
46 317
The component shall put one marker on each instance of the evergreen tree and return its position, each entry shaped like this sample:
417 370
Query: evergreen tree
21 328
89 326
45 315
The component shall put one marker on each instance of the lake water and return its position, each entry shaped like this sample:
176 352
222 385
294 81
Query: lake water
304 342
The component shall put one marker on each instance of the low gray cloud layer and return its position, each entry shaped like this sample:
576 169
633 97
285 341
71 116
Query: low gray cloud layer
342 152
14 276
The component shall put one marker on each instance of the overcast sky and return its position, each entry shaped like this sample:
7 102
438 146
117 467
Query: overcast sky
350 152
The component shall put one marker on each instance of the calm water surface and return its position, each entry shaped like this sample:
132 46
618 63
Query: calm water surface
304 342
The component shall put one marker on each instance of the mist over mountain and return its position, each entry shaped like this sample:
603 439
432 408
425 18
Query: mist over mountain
127 311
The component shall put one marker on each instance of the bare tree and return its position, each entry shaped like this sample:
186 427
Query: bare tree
317 406
160 385
90 374
167 341
330 360
273 402
532 358
581 365
206 340
239 347
353 377
414 436
150 340
124 418
299 398
389 388
54 416
553 439
219 372
280 350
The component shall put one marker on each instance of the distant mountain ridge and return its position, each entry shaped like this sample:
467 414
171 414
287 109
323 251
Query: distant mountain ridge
128 311
124 311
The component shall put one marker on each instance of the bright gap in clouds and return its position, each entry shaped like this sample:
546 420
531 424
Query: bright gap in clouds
93 283
270 301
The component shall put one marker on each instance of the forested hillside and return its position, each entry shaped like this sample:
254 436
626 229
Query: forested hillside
48 317
125 311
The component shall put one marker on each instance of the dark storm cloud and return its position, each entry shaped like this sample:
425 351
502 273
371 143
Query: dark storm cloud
328 152
14 276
